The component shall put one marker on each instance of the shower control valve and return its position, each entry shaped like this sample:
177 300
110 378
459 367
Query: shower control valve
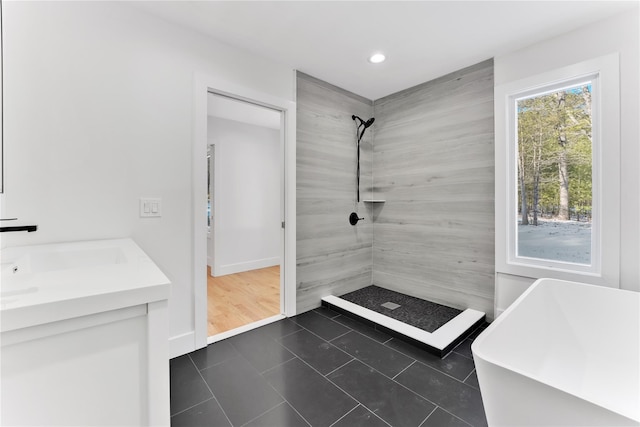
353 218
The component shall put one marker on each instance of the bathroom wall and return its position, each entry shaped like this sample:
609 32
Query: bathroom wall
248 167
98 101
333 257
433 162
621 34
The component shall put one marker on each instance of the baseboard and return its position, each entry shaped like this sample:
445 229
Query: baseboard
224 335
181 344
223 270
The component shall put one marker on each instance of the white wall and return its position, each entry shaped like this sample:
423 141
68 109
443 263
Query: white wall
247 198
98 112
617 34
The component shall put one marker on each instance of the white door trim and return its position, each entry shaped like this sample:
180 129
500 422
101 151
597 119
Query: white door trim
203 84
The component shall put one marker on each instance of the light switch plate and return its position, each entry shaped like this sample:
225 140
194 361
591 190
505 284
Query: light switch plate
150 207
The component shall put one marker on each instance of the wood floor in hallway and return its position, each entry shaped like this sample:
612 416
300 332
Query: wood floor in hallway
237 299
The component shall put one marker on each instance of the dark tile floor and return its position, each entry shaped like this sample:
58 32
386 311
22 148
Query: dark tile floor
323 369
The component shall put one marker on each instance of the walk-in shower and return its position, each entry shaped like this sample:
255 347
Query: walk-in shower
421 258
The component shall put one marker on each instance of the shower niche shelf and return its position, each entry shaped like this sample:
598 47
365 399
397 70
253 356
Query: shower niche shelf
374 201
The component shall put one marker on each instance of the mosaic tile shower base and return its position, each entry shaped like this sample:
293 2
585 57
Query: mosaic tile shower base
417 312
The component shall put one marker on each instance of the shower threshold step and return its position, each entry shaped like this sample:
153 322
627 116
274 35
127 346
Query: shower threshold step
439 342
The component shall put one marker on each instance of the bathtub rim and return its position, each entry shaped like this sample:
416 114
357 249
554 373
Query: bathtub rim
542 282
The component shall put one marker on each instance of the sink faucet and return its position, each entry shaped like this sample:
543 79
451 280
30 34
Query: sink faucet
27 228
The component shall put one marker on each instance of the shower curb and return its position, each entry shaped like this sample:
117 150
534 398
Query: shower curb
439 342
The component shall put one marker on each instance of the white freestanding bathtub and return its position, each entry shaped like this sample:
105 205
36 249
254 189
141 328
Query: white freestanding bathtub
563 354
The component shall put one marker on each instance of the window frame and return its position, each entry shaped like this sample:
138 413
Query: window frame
513 258
603 72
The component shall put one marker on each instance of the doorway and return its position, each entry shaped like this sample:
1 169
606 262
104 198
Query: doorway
244 210
203 86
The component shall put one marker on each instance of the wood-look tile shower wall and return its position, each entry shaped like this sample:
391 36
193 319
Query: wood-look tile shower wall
431 151
333 257
434 164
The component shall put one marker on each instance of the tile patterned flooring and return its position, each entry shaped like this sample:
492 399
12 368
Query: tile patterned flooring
324 369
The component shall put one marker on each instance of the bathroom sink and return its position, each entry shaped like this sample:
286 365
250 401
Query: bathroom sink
54 260
51 282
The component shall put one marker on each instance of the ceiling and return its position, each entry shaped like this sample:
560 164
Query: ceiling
331 40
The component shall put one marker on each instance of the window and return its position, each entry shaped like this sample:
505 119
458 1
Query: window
558 174
553 141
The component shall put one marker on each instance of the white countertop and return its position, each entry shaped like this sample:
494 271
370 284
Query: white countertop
47 283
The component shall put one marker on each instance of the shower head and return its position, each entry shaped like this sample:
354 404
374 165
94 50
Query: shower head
362 122
359 134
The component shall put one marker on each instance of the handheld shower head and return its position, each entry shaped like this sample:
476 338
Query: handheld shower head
362 122
360 133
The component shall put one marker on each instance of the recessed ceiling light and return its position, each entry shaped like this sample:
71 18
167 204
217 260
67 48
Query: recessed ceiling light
377 58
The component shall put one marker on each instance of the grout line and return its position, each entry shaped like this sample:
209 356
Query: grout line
362 333
344 364
286 335
330 318
366 409
410 365
191 407
324 339
467 377
430 413
275 341
460 354
290 333
284 398
289 403
337 386
210 391
432 367
327 341
455 416
446 374
284 402
260 373
333 423
279 364
378 417
340 336
268 410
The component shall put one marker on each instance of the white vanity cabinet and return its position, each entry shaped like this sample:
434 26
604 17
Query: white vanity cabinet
84 336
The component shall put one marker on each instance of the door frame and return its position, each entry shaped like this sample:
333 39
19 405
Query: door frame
203 85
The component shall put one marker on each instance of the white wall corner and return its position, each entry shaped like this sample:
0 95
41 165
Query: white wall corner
181 344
